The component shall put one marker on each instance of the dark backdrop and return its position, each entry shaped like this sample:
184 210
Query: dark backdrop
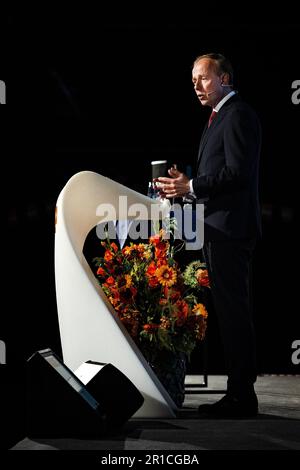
89 92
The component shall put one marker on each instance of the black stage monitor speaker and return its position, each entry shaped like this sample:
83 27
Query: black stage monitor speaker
58 404
117 394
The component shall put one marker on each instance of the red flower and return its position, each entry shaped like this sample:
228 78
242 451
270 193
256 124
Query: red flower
182 312
101 272
108 256
202 277
110 281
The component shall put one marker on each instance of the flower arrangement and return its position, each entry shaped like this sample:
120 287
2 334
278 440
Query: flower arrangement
196 275
159 305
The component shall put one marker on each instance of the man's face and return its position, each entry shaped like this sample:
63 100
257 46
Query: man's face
207 83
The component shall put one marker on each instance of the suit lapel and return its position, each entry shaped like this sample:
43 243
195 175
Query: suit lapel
202 140
208 131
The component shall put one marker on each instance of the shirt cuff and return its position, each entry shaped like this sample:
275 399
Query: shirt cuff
191 188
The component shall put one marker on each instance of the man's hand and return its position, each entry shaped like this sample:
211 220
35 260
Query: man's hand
176 186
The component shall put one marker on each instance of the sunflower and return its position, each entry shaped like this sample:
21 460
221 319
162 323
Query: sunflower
166 276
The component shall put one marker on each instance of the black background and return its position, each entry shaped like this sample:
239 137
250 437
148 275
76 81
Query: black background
87 90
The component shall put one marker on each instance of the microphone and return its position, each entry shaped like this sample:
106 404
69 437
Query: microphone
222 84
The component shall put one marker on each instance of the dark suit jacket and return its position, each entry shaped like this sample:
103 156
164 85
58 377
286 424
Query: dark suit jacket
227 174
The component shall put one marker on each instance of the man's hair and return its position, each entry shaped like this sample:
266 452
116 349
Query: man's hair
222 65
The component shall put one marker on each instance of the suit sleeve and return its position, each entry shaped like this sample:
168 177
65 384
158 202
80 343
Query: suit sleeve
241 149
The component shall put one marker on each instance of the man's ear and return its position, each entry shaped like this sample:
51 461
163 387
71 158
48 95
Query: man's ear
225 79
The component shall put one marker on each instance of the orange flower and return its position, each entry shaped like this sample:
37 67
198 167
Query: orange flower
166 276
101 272
129 250
128 280
151 269
114 247
114 302
199 309
150 327
155 239
108 256
110 281
147 327
143 251
126 250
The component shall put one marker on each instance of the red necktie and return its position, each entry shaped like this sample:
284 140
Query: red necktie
211 117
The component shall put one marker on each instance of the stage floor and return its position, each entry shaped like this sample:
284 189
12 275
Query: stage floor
277 426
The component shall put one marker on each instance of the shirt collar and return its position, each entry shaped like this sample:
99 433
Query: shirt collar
223 101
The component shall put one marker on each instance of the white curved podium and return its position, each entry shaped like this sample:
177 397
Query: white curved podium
89 326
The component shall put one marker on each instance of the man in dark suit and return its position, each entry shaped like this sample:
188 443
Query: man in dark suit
227 185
